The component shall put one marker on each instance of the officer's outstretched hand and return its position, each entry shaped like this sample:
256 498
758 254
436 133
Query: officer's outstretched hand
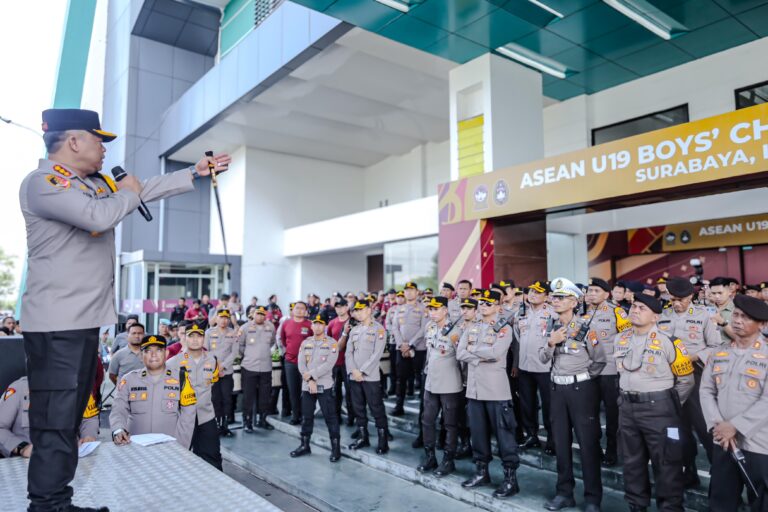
26 452
131 183
122 438
220 164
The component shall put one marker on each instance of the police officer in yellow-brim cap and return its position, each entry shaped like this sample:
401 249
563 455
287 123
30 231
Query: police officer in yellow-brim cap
70 211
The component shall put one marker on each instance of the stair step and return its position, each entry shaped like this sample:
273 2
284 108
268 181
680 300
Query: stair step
612 477
537 485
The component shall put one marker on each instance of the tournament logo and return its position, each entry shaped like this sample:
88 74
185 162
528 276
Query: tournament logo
500 192
481 197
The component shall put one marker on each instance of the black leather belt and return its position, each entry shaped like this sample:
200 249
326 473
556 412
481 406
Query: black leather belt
650 396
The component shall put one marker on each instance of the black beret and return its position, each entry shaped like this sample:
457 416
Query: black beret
652 303
754 308
679 287
341 301
600 283
635 287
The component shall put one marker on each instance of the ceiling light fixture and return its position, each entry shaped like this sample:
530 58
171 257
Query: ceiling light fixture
547 8
395 4
535 60
648 16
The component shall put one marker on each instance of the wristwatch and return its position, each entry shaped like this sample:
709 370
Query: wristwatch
17 451
195 174
117 432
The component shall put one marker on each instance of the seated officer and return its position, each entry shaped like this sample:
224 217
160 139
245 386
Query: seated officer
155 400
317 357
14 421
203 372
734 397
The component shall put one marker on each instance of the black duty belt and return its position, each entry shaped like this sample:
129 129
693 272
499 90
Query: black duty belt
650 396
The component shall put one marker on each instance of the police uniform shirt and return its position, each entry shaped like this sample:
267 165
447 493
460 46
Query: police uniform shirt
14 417
454 309
734 388
531 333
202 376
485 353
653 362
391 318
607 320
726 313
71 244
318 355
150 404
124 361
364 349
256 343
442 369
223 344
694 327
121 341
572 357
410 324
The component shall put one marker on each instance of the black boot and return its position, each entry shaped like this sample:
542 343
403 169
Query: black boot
447 466
532 441
690 477
509 486
481 476
303 449
248 425
263 423
362 441
223 428
464 449
220 426
356 434
609 458
441 440
350 420
383 446
418 442
429 462
549 448
75 508
398 410
231 418
335 449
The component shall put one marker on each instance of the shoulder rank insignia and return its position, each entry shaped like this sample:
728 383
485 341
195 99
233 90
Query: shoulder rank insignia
61 170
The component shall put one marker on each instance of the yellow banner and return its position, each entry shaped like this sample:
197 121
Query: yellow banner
751 230
726 146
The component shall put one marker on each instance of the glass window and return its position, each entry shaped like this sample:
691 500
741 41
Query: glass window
752 95
644 124
411 260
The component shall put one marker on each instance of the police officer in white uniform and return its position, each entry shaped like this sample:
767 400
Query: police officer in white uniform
70 212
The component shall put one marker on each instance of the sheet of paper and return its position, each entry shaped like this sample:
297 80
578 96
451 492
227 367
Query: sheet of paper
87 448
150 439
673 433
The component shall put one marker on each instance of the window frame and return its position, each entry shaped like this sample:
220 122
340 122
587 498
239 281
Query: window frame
745 88
625 121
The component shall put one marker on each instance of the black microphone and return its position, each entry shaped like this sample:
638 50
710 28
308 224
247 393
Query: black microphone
119 173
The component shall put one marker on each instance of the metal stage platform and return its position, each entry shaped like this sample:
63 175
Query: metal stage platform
133 478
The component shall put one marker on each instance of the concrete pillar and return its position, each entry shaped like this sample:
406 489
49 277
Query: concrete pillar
496 121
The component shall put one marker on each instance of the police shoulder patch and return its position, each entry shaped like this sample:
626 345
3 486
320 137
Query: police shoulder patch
57 181
8 393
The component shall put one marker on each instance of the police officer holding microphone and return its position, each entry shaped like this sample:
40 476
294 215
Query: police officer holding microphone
71 210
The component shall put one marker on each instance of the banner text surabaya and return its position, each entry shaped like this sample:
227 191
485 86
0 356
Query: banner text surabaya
657 157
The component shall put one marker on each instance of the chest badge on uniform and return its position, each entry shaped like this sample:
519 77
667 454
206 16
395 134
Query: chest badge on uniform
171 381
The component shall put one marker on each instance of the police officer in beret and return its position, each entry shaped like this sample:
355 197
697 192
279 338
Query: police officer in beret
692 324
483 347
606 319
155 400
655 377
71 210
576 361
734 397
202 371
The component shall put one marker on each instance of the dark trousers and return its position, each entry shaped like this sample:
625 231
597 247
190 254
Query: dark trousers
370 393
450 403
61 368
609 395
410 366
576 408
392 367
462 419
726 482
205 443
257 388
529 384
328 408
340 378
693 421
285 407
293 379
221 396
495 417
645 436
